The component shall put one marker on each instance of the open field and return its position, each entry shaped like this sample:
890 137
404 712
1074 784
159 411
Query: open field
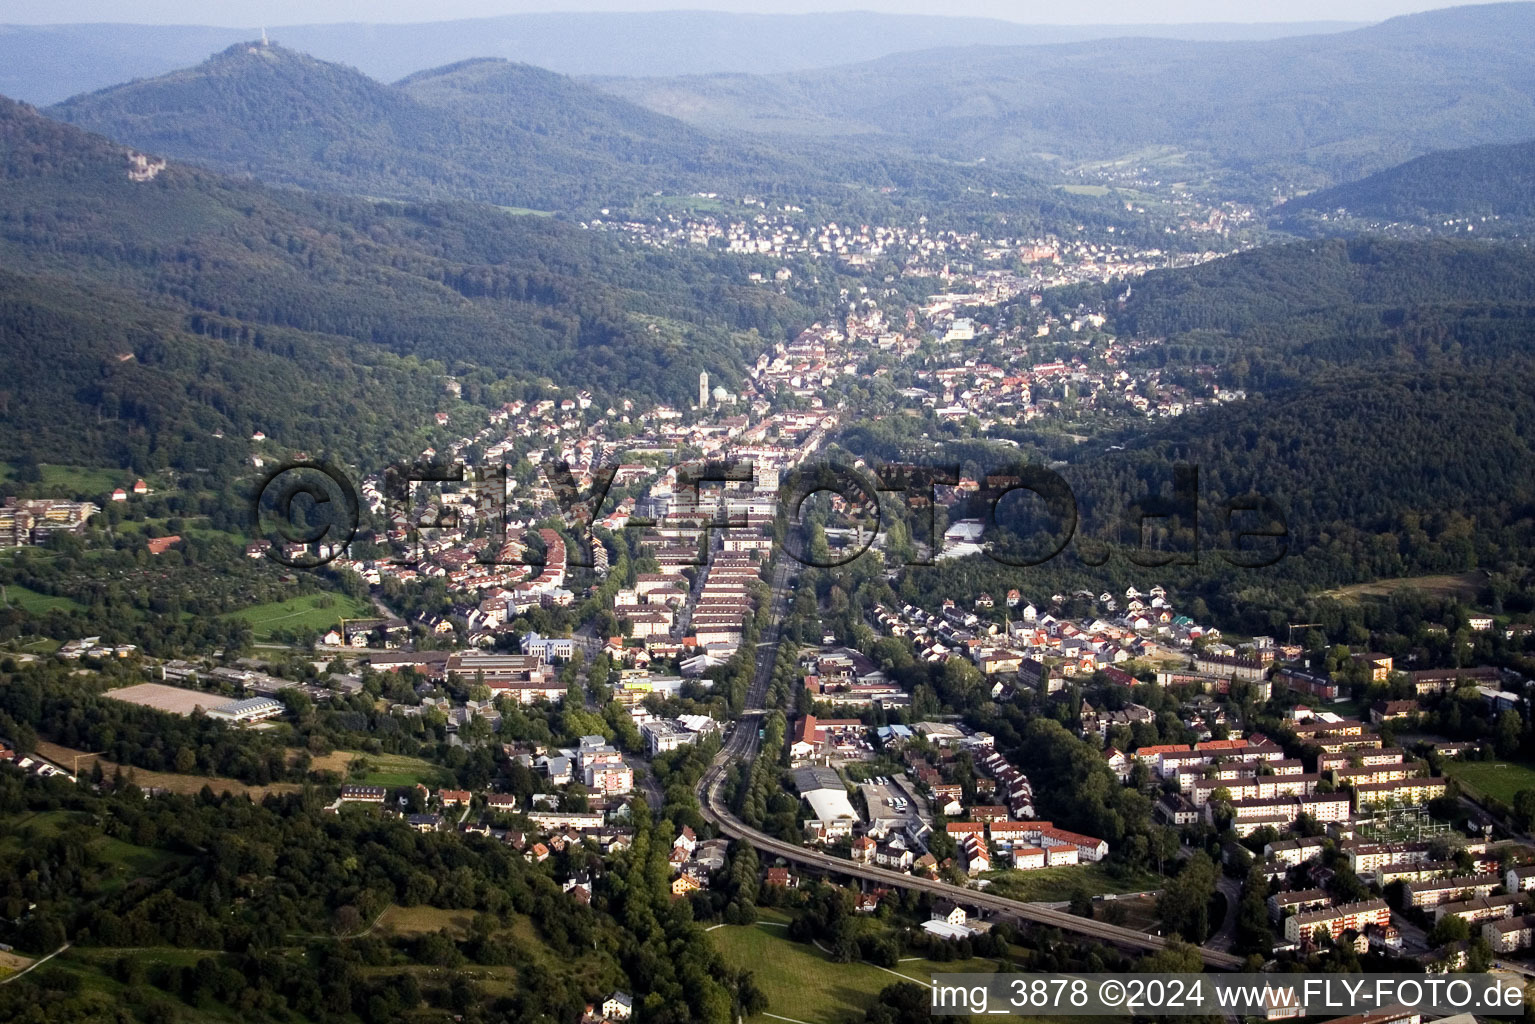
39 604
314 611
1499 780
64 757
1049 885
1140 912
803 983
383 769
31 644
1464 585
113 863
75 481
412 921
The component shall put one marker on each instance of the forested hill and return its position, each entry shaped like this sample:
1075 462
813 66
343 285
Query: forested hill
1393 383
1281 315
1483 181
113 276
543 141
1260 286
1377 475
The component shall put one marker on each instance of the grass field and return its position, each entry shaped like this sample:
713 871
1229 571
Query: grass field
1499 780
1463 585
75 481
39 604
1348 708
316 611
64 757
1050 885
91 969
543 968
1085 190
31 644
1140 912
384 769
412 921
802 983
116 862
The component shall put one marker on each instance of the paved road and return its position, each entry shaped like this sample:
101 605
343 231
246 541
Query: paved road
1231 888
35 963
741 747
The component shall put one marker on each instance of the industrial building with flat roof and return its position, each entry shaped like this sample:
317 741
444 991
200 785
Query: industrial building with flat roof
252 709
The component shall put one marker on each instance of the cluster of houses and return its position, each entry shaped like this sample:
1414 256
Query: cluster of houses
694 860
847 678
1037 650
31 763
1483 887
985 844
1258 786
1358 790
1001 833
977 271
550 830
92 647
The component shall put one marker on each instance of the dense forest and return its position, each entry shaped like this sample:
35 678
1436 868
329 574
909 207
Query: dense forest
1376 475
1302 291
155 314
264 911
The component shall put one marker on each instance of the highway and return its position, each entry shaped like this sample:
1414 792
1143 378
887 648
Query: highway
741 747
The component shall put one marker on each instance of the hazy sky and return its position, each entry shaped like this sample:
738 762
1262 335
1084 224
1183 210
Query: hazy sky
1078 12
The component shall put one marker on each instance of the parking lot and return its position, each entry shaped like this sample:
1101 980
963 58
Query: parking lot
885 798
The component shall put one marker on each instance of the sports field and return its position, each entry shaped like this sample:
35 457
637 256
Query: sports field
1500 780
174 700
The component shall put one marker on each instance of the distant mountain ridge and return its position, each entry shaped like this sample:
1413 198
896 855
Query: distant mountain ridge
1330 107
47 63
1480 181
492 131
483 130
